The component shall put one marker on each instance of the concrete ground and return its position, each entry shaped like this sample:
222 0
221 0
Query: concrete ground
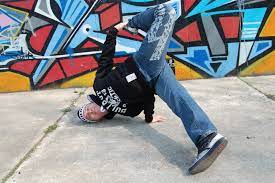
43 141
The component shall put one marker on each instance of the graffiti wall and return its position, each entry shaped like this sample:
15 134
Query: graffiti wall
56 43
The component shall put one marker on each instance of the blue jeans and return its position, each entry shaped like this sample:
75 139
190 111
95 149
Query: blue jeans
158 22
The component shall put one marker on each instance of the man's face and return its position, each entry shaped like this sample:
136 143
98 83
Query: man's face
92 112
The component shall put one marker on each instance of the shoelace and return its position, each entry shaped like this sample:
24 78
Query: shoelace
202 144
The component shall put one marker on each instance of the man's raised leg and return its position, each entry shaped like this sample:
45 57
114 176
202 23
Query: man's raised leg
158 22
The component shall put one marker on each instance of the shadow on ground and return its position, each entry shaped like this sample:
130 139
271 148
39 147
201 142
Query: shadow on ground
174 152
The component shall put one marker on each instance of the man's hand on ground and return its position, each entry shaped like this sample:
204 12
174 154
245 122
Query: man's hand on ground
158 118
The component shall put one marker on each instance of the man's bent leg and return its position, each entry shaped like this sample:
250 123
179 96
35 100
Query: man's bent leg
200 129
195 121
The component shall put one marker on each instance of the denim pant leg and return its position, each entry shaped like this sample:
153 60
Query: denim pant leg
158 22
194 119
150 58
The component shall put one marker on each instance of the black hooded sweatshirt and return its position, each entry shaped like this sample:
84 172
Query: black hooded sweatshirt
122 90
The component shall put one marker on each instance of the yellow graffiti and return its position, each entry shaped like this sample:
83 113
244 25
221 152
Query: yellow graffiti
12 82
263 66
86 80
183 72
268 29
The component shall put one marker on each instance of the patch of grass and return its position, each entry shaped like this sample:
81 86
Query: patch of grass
81 93
272 97
68 109
51 128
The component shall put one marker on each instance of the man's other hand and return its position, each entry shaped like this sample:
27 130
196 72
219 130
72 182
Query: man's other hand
158 118
120 26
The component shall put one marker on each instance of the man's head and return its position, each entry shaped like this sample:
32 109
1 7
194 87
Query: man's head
91 112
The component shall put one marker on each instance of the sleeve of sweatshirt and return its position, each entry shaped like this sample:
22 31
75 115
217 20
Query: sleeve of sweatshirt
105 63
149 108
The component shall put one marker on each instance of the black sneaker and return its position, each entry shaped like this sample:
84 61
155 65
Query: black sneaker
209 149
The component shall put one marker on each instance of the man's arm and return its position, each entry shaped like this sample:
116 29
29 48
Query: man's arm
149 108
149 111
105 64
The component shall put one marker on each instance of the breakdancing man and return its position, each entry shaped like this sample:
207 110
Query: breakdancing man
129 88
